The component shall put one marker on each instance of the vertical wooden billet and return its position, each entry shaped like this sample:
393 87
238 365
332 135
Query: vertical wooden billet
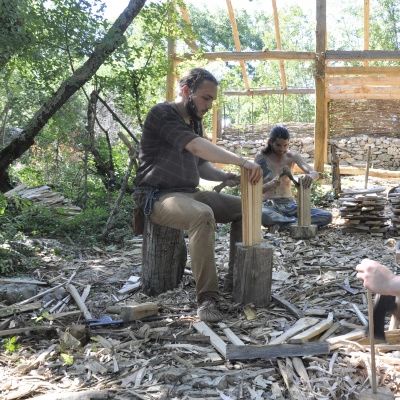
252 275
251 209
304 205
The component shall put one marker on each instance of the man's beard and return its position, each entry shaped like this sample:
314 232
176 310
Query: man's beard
192 109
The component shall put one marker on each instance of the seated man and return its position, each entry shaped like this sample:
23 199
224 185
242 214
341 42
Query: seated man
279 206
173 156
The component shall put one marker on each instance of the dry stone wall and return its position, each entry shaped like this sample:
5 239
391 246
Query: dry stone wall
385 151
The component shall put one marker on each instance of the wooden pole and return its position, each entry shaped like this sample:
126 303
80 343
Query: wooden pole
371 340
367 169
320 102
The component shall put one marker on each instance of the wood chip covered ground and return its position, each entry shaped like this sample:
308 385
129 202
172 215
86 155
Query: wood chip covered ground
309 344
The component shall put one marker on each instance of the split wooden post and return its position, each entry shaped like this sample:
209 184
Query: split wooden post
252 276
303 229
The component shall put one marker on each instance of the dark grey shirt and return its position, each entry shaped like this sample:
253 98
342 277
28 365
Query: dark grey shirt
164 162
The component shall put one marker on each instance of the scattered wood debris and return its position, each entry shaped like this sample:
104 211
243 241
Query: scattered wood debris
310 343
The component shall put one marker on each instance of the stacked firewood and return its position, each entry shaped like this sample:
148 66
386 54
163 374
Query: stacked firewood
364 211
45 196
394 206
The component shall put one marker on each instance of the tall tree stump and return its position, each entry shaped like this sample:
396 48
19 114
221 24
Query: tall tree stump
252 275
164 256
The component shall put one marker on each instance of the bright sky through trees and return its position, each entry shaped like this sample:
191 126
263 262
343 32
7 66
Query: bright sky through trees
115 7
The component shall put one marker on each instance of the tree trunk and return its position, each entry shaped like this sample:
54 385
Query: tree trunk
109 43
164 256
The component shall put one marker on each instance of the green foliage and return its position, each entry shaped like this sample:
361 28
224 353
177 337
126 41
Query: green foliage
11 345
321 197
3 204
67 358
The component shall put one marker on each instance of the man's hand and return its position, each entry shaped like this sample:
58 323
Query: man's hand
307 181
378 278
256 171
232 179
272 185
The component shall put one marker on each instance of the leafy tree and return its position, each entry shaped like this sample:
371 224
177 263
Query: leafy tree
113 38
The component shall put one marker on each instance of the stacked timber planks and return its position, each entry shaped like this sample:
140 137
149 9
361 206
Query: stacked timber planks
394 206
363 211
44 196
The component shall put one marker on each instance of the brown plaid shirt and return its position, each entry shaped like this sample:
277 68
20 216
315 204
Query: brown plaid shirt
164 162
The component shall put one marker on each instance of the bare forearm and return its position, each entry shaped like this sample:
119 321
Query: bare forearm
211 152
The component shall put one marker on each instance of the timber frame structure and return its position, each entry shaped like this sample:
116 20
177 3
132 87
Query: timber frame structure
331 82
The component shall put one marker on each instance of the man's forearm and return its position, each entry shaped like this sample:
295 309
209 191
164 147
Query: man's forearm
209 151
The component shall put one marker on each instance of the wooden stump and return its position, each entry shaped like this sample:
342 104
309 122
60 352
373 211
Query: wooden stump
252 274
164 256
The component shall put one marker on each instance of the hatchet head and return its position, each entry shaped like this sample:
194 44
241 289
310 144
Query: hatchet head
382 306
286 171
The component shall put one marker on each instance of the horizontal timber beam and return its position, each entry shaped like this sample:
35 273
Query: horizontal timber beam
361 55
251 55
260 92
374 70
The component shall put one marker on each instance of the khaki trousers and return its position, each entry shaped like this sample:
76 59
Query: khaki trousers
197 214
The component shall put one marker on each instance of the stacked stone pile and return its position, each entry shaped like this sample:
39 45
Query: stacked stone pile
385 151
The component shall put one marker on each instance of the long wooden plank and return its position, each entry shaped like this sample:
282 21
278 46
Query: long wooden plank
301 325
215 340
269 352
230 335
315 330
361 55
16 309
252 55
358 70
363 80
28 281
237 43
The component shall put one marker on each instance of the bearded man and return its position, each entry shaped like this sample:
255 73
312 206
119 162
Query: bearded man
173 156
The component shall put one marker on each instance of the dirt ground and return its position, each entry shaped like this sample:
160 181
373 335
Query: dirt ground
169 358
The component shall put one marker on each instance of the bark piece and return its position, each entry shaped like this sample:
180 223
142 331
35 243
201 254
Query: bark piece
288 306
